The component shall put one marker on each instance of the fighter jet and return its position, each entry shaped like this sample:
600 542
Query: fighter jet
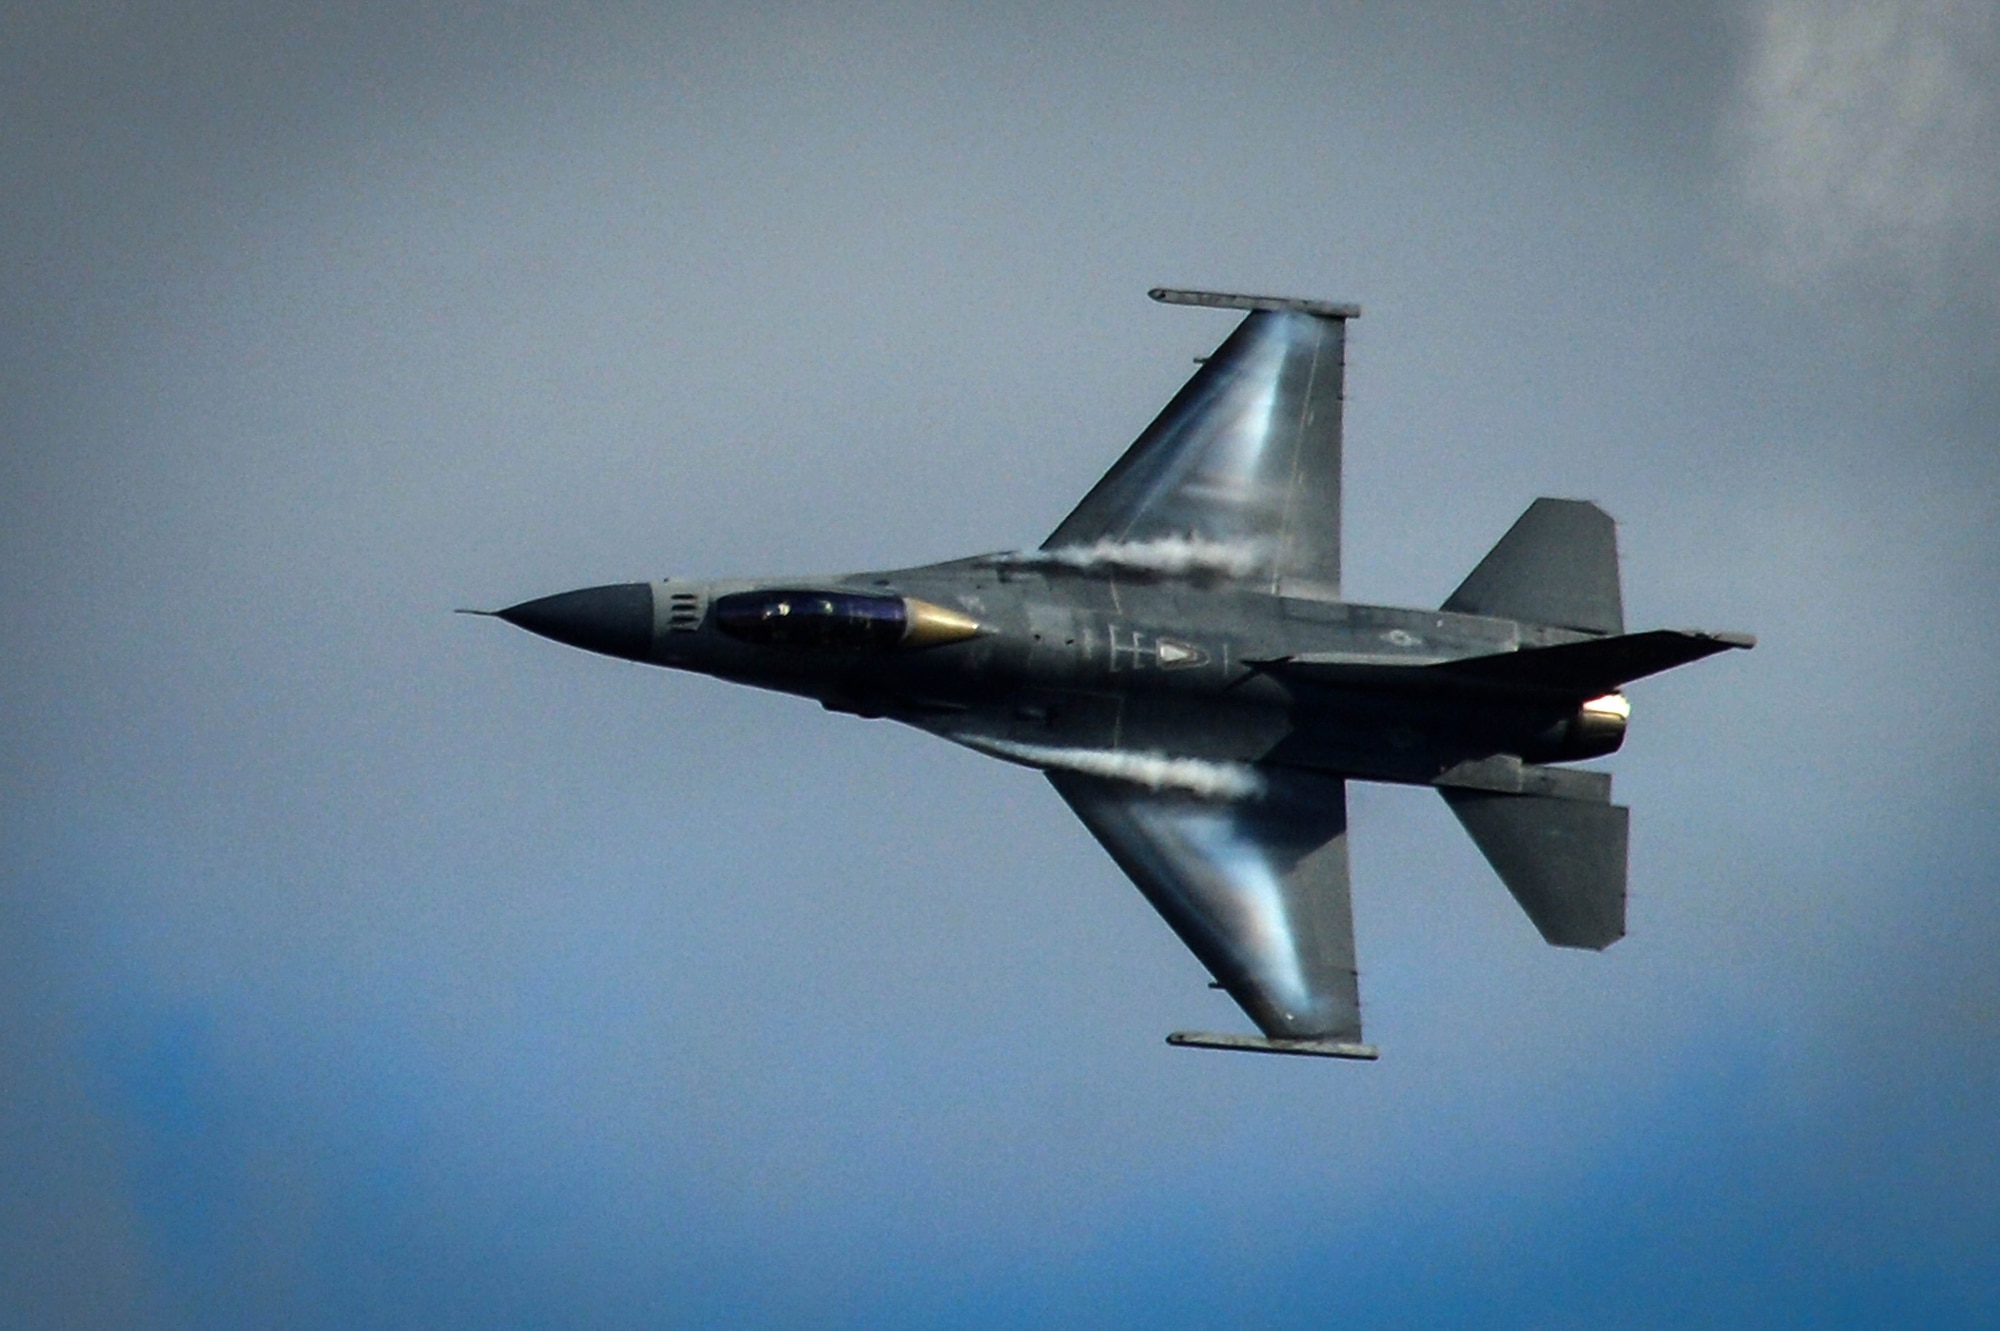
1178 661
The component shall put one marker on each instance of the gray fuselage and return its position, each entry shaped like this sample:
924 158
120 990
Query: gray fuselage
1074 659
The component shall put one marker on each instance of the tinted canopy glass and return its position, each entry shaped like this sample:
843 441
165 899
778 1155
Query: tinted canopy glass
837 620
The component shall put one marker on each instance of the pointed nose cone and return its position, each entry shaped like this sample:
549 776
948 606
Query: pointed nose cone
617 621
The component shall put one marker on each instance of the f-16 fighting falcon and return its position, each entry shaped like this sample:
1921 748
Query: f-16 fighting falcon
1176 658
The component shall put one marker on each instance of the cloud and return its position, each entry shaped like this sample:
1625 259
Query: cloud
1867 135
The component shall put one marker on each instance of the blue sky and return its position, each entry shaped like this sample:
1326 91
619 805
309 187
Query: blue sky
365 966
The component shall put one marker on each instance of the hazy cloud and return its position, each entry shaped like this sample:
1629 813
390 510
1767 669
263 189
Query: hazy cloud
1868 133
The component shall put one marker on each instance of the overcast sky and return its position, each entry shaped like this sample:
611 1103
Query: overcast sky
363 965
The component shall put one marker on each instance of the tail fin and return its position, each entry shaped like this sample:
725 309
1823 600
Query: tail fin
1563 859
1558 564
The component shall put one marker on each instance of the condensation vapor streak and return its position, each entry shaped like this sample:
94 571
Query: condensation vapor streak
1167 555
1155 771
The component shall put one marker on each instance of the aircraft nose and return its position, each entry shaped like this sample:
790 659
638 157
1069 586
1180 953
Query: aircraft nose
615 620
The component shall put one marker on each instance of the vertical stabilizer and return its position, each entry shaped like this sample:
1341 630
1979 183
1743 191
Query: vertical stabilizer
1563 859
1558 564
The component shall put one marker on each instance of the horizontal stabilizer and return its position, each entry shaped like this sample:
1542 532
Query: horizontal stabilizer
1585 669
1597 666
1258 1044
1558 564
1564 860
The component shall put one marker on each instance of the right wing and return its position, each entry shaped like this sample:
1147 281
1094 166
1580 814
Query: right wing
1257 889
1241 472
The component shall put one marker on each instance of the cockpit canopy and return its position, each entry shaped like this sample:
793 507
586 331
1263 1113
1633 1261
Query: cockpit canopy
839 621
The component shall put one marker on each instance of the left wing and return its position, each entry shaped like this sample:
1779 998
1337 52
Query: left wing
1257 889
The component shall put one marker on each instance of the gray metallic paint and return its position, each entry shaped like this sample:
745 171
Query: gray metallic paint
1177 659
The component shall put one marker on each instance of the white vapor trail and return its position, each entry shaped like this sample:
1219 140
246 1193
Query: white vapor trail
1173 556
1155 771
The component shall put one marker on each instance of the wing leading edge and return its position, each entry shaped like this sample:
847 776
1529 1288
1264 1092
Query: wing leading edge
1257 889
1243 466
